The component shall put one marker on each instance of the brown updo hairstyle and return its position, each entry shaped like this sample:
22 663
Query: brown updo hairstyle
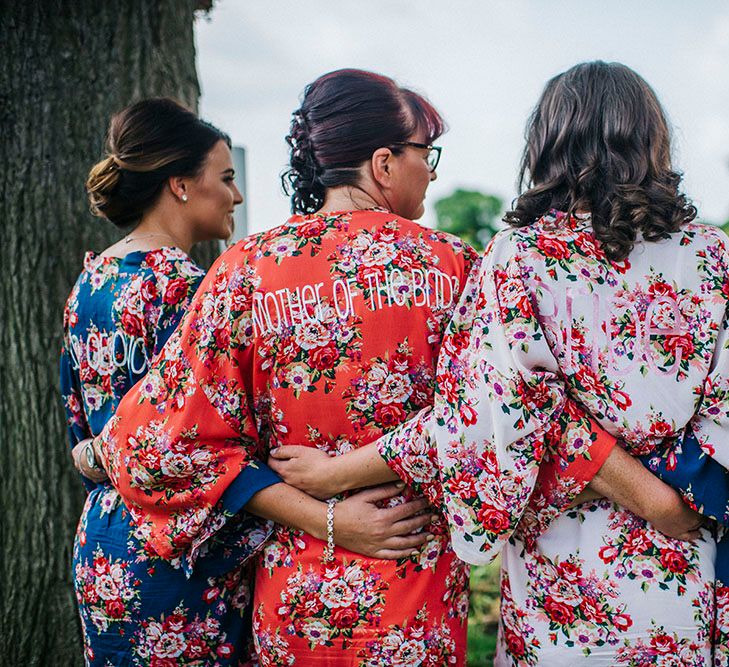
345 116
147 143
598 141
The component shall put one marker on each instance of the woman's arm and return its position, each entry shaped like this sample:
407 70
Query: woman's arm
360 525
76 423
621 478
626 481
504 416
324 476
702 480
182 448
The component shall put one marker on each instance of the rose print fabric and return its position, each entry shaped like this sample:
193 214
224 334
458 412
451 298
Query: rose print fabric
323 331
137 608
641 344
704 484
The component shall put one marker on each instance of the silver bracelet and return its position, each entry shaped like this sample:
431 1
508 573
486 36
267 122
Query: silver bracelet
328 554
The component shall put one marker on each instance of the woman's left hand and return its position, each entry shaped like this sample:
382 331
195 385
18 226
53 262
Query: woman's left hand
97 473
306 468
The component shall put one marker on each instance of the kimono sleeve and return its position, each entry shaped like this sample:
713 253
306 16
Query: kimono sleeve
183 448
78 428
501 414
76 424
702 481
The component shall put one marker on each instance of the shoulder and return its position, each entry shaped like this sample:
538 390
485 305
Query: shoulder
170 263
446 240
168 276
442 242
507 243
705 232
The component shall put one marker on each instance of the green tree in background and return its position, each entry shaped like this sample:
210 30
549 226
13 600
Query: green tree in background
725 226
472 215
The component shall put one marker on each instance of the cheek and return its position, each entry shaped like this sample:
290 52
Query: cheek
423 182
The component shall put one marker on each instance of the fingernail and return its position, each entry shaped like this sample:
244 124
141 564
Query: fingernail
400 485
434 518
414 552
430 537
273 451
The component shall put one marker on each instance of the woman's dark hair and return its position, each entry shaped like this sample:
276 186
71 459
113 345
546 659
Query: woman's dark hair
598 141
147 143
344 117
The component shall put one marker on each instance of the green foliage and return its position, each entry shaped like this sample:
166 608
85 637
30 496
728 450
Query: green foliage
472 215
725 226
483 616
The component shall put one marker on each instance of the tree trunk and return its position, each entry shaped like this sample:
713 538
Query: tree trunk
66 67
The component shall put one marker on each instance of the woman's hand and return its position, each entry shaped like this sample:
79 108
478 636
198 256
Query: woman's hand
81 461
362 527
673 517
308 469
588 493
625 481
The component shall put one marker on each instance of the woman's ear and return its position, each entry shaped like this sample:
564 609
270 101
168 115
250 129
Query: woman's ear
382 164
178 187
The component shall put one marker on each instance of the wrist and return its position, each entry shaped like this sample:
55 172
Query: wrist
662 504
99 453
318 529
338 481
328 554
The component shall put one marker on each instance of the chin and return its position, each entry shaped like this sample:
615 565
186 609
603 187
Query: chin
419 213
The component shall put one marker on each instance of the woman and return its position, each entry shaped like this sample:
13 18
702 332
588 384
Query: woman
569 304
169 179
634 337
323 330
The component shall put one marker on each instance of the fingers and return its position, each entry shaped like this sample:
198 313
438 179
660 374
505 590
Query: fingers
409 525
406 509
276 465
691 535
687 537
409 542
285 452
382 492
280 468
402 547
392 554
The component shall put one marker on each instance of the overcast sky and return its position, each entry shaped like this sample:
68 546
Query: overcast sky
482 63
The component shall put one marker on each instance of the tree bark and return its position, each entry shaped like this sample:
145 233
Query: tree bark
66 67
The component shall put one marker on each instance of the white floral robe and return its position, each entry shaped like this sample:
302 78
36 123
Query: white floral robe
547 324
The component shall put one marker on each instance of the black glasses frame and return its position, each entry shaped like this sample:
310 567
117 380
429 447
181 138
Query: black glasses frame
429 147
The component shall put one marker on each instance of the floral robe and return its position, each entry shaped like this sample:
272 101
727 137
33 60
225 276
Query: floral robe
137 608
323 331
641 344
704 483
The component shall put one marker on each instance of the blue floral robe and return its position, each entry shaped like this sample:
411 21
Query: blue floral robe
137 608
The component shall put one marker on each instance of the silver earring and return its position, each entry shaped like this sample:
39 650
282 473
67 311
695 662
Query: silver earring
184 197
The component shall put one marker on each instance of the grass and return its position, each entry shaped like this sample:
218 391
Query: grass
483 616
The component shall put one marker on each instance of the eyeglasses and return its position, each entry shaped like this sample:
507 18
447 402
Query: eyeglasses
433 152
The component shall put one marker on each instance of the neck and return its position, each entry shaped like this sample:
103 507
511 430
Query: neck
157 230
352 198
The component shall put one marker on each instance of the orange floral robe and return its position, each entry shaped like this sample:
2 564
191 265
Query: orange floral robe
323 331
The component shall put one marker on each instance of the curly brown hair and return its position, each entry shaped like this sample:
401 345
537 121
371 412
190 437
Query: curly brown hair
598 141
344 117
